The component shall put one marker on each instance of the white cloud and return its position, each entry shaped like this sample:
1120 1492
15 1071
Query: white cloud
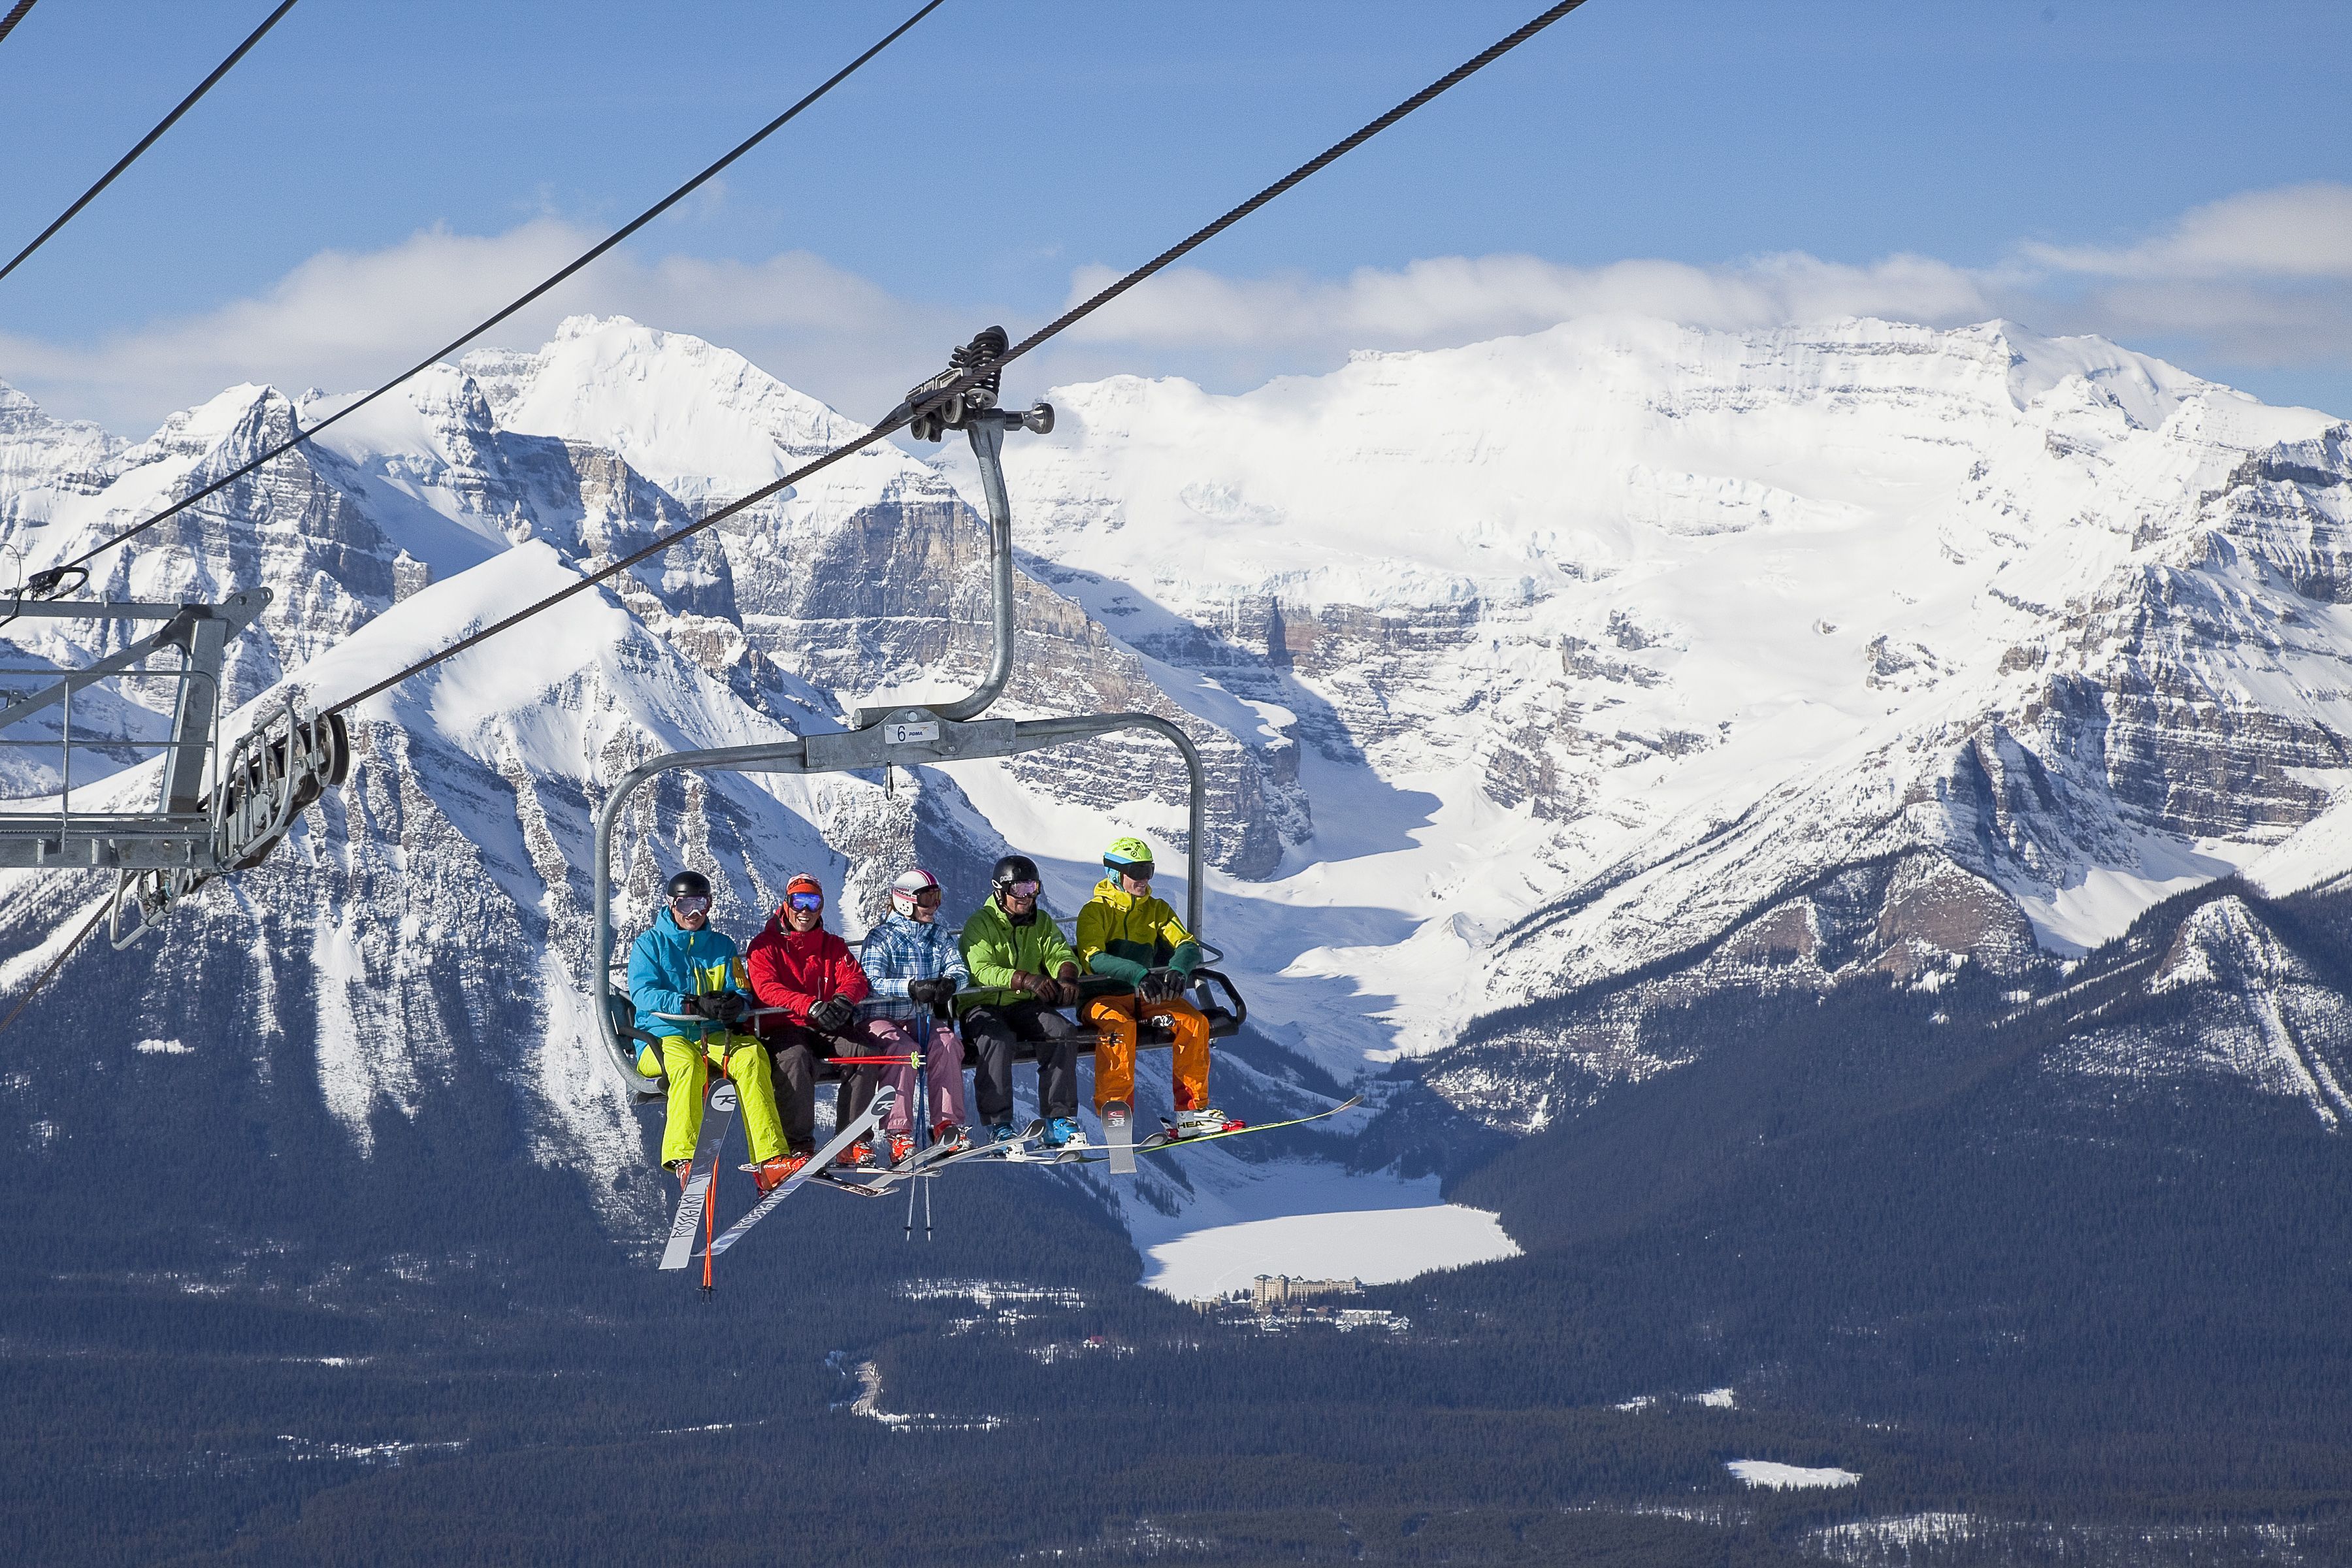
338 320
2261 279
345 320
2293 233
1456 299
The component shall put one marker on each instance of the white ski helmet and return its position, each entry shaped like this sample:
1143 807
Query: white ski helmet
911 885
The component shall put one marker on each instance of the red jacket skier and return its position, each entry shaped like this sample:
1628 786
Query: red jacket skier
796 964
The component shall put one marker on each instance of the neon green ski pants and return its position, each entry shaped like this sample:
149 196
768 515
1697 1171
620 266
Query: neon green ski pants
688 1066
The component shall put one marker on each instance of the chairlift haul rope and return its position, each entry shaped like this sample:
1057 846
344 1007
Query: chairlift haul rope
15 14
145 141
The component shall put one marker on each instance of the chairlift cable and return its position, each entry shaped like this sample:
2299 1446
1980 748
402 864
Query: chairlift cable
15 14
145 141
56 963
44 583
904 415
1331 155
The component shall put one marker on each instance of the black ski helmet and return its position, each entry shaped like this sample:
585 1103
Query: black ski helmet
1011 868
689 885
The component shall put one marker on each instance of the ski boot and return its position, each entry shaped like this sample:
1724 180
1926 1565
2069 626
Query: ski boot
948 1138
1061 1132
856 1157
902 1148
772 1173
1004 1133
1195 1123
684 1168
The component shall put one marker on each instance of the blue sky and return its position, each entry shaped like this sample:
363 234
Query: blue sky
373 176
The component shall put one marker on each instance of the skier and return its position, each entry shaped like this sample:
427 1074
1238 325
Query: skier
682 966
796 964
1025 970
1128 935
910 954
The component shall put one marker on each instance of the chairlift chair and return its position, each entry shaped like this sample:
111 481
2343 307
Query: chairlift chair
930 732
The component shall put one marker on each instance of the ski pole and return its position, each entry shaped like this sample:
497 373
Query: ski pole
922 1061
915 1060
711 1191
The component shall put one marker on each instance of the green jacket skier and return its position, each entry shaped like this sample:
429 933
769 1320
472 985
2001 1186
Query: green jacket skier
1023 971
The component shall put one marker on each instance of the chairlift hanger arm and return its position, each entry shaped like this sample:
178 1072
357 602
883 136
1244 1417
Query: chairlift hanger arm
931 410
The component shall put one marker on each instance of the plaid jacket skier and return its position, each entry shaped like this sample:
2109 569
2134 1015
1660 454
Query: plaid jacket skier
899 950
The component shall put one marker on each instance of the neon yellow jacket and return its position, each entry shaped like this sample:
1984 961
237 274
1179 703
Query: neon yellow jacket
1124 936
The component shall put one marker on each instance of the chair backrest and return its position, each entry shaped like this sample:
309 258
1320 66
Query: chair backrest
624 1014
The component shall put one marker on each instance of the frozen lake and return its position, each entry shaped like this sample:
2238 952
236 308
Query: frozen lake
1310 1219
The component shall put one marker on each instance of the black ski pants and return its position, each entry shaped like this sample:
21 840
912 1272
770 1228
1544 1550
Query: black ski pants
796 1051
993 1031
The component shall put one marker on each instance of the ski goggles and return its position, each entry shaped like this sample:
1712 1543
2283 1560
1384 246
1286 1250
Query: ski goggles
691 904
1141 870
1020 889
804 900
928 899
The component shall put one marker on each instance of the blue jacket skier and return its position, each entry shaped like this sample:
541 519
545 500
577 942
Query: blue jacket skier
682 968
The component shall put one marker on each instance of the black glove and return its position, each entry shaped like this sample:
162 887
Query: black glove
702 1006
727 1007
834 1014
931 992
1161 986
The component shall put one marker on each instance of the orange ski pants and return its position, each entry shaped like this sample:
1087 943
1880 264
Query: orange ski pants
1114 1020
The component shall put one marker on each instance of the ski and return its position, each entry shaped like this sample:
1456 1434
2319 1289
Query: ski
717 1118
860 1127
1029 1152
1167 1138
845 1184
1119 1133
929 1165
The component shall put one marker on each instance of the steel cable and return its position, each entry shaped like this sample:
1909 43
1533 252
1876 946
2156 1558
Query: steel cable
904 415
15 14
54 964
147 141
45 583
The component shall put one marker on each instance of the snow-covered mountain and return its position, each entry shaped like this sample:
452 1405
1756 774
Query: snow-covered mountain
1611 661
1603 644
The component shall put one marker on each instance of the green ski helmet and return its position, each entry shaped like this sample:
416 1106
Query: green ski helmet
1129 854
